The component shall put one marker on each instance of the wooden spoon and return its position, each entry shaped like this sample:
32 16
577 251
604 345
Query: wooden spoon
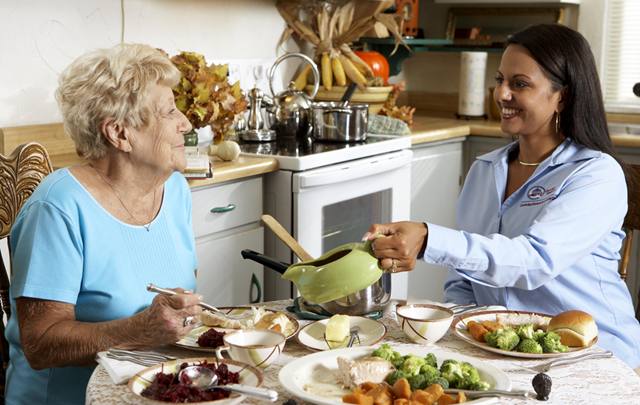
286 238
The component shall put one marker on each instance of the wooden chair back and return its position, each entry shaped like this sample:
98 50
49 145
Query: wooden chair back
631 220
20 174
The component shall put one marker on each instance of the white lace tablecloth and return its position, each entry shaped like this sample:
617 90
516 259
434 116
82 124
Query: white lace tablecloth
598 381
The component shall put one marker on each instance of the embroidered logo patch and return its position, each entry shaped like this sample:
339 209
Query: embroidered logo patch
535 192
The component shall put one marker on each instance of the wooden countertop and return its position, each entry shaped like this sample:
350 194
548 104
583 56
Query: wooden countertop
432 126
62 153
429 126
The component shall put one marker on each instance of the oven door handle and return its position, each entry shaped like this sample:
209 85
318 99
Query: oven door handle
357 171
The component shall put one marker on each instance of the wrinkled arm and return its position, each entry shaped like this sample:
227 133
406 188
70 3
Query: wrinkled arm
51 337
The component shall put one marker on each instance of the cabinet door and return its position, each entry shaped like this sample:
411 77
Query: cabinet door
435 187
224 277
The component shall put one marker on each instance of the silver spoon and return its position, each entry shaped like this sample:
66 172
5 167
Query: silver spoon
205 379
154 288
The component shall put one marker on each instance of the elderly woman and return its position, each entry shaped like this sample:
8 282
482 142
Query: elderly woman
539 221
91 237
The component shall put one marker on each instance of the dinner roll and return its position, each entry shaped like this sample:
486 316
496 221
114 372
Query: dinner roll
575 328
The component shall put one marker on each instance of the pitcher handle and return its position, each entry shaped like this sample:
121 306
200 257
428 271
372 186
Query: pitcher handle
300 55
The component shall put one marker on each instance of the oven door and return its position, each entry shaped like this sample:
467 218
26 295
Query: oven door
335 205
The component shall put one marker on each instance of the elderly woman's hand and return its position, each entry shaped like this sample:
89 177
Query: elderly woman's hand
400 247
165 320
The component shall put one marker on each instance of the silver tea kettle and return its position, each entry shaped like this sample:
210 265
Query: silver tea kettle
289 112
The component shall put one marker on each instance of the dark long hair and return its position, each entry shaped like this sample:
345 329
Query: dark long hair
566 59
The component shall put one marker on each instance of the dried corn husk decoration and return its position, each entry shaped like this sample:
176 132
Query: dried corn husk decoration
330 27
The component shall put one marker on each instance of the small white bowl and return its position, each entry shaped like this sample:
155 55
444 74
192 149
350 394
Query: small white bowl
257 347
424 323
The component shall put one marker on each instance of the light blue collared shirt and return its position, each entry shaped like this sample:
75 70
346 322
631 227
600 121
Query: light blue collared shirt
552 246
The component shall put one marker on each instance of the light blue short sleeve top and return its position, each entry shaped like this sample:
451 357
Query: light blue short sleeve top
66 247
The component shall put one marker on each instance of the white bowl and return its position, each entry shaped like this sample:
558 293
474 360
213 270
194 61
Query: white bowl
424 323
257 347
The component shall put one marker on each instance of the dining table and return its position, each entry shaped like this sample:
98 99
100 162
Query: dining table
594 381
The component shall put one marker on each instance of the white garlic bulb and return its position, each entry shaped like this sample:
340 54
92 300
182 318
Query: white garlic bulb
225 150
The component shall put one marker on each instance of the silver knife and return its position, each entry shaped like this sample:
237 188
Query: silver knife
354 333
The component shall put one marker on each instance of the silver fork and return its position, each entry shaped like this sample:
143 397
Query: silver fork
461 309
141 362
543 368
142 355
154 288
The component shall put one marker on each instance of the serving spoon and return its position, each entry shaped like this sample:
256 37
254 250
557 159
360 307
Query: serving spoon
205 379
154 288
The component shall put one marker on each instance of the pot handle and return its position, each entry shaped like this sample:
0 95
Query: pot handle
274 264
338 110
300 55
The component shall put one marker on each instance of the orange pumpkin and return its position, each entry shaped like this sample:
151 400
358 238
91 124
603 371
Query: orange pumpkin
377 62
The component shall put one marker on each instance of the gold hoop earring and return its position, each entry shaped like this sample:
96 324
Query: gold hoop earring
557 123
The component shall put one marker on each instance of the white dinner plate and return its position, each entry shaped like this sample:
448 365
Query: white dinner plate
371 332
459 328
312 378
191 340
248 376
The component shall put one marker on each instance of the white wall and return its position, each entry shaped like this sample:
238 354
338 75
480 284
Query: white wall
39 38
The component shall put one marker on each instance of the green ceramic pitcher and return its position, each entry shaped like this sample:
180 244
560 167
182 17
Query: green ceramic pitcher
336 274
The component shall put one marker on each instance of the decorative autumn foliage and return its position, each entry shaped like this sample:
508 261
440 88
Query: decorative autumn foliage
204 95
390 109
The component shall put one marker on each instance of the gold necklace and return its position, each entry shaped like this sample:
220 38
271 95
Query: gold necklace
122 202
528 164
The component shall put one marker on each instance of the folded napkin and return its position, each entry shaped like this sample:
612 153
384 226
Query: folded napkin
317 312
119 371
383 125
414 300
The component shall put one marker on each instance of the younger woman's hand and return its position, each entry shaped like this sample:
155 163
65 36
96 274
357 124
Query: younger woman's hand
400 247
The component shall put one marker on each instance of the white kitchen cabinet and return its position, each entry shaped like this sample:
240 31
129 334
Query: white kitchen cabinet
224 277
436 182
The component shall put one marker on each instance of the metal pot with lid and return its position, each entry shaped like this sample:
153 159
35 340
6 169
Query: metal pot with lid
289 112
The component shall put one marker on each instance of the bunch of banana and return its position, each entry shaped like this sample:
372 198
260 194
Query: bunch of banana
336 60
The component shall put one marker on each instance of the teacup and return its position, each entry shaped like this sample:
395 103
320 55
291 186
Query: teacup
257 347
424 323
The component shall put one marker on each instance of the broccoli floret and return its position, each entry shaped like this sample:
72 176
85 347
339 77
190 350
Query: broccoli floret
418 382
447 362
550 343
386 352
469 376
412 365
525 331
491 338
395 376
430 371
539 334
529 346
505 338
431 360
451 371
439 380
397 363
480 386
